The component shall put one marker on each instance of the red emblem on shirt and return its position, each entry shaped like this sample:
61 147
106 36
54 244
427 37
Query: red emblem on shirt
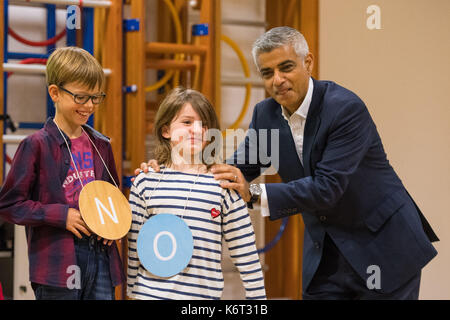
215 213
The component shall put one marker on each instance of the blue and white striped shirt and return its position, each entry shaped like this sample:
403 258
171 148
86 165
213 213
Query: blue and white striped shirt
202 278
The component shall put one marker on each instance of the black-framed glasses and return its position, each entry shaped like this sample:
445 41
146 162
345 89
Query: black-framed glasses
84 98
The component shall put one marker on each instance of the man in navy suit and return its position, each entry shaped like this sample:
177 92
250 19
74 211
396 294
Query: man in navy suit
365 238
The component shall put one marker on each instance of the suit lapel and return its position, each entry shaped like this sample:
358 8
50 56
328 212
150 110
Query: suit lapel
311 128
312 124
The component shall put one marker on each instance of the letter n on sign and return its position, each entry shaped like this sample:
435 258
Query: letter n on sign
100 206
105 210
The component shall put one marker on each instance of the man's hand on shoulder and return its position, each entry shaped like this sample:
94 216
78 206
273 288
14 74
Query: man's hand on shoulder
231 178
145 166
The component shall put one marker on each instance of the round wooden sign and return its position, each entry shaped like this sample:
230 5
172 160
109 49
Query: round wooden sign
105 210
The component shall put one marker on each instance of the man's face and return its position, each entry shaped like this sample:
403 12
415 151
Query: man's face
286 75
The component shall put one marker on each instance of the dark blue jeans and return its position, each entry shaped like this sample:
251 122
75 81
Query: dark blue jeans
95 282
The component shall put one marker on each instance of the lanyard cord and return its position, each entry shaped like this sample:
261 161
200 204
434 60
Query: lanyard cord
101 158
189 194
159 180
73 161
70 153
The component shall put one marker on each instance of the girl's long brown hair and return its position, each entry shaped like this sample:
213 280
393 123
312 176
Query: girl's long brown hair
169 109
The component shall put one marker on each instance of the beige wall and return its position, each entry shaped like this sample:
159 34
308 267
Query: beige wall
402 73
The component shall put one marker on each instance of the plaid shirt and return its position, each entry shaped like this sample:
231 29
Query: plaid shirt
33 196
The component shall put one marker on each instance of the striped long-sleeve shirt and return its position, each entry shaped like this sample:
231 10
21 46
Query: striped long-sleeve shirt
170 191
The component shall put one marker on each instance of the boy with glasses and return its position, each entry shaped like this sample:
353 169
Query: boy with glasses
46 177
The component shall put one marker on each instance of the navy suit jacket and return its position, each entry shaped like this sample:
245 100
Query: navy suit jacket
345 188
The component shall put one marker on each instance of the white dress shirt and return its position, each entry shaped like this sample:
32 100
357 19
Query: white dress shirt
296 122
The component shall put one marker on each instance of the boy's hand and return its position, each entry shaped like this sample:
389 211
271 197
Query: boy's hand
75 223
144 167
106 241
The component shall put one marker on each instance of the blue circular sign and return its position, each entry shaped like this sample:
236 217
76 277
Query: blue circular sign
165 245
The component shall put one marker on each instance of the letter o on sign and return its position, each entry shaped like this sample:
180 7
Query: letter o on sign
165 245
155 246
